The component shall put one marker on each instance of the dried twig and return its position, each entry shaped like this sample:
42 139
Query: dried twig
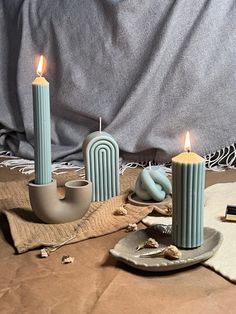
45 252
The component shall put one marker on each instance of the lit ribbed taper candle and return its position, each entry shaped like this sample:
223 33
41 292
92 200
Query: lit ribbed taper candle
42 128
188 180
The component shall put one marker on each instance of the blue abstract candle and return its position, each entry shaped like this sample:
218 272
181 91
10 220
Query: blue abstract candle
101 158
42 128
188 182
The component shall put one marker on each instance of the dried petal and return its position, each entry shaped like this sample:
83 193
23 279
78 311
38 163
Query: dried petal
44 253
121 211
66 259
172 252
163 209
131 227
169 205
150 243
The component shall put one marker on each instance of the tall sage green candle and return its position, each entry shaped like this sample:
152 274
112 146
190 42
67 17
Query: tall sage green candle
42 130
188 181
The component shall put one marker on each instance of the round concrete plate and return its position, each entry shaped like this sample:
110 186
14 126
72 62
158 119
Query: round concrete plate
125 249
134 199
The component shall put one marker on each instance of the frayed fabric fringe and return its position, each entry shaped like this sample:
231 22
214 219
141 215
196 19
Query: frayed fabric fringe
27 166
219 161
222 159
124 165
5 153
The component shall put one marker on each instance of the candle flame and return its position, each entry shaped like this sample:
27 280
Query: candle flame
40 66
187 145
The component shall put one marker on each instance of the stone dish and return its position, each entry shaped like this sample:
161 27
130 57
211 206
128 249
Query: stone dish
134 199
125 249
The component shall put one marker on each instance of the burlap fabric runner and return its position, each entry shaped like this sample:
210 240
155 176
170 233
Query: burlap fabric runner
28 232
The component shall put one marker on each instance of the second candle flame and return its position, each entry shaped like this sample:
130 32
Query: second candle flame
187 145
40 66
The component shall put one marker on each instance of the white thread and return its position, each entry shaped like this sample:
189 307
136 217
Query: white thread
222 158
5 153
100 124
126 165
218 161
27 166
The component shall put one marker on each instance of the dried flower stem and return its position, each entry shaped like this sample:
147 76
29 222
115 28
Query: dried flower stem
53 248
158 253
170 252
57 246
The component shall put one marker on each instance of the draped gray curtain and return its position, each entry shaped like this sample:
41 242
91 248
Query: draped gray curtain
151 69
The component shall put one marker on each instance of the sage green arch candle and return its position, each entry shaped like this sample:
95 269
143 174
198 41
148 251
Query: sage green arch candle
188 183
42 131
101 158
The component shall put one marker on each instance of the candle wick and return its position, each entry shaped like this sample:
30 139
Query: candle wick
39 73
188 150
150 165
100 124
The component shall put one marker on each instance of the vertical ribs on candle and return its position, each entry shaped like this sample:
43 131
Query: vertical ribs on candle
188 180
42 127
101 158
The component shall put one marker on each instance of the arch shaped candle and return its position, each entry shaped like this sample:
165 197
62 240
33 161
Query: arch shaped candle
101 158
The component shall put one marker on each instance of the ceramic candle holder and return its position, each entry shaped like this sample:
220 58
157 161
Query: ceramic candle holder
47 207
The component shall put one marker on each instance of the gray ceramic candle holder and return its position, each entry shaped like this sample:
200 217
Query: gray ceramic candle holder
47 207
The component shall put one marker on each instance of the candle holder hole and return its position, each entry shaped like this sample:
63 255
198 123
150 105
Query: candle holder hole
76 183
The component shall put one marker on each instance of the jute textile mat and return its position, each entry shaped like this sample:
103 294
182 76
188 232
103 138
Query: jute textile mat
28 232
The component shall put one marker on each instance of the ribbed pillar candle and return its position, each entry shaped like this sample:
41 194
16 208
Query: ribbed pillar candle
101 158
42 131
188 181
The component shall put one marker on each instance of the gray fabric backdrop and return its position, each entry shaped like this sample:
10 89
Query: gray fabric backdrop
152 69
